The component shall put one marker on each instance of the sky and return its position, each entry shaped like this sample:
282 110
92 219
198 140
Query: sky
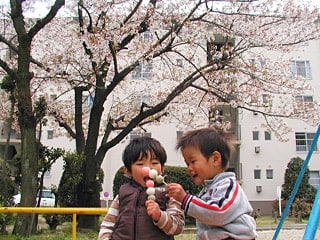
41 7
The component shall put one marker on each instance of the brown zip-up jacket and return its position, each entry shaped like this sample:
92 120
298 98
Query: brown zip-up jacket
127 218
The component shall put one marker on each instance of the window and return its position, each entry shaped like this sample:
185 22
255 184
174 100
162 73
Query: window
269 173
179 62
255 135
216 115
140 99
143 70
146 37
267 135
179 134
257 173
217 45
137 135
87 102
304 100
303 141
266 98
50 134
254 99
53 97
252 62
314 179
147 134
47 174
301 68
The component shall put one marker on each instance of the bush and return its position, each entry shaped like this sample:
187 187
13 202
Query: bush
305 190
7 191
300 209
306 193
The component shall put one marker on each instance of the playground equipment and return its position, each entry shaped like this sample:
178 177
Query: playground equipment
51 210
314 217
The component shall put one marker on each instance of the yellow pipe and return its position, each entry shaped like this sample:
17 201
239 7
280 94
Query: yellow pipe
74 226
50 210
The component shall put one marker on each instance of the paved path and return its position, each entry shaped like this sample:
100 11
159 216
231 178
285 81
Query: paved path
288 232
285 234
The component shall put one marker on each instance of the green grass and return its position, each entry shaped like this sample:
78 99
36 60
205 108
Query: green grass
269 221
65 232
54 235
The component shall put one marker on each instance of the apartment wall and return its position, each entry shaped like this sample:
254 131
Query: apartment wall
273 153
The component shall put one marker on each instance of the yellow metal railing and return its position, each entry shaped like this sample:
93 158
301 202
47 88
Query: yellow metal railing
50 210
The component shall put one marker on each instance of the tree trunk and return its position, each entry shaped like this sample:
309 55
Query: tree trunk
88 191
89 196
29 146
26 118
29 170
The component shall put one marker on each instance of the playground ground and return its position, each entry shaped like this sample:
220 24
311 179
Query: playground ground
291 231
288 232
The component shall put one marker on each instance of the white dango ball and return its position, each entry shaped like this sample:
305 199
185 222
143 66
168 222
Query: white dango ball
160 179
151 191
153 173
152 197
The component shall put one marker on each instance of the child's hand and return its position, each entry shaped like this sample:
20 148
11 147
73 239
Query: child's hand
153 210
176 191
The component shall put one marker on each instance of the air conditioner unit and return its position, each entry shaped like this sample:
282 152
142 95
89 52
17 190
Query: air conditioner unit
259 189
257 149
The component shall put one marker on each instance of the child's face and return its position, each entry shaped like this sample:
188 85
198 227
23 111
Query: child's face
148 161
199 167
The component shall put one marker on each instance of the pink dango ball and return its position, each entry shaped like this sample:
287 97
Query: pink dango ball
145 171
149 183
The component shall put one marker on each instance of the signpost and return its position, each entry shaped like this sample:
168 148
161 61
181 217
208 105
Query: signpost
279 198
106 196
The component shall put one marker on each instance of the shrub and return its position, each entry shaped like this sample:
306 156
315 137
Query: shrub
300 209
305 190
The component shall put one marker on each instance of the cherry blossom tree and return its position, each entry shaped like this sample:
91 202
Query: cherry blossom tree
143 62
146 62
17 69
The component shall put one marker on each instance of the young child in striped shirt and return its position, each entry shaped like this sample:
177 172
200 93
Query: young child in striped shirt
221 210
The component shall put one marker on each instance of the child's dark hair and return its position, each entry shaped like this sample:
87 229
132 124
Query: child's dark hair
209 140
140 147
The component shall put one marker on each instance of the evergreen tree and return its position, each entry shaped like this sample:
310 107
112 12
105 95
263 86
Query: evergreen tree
305 191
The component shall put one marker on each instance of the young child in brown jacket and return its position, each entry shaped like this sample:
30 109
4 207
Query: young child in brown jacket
131 215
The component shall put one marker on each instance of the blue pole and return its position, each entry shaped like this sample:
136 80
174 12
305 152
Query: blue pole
313 222
297 184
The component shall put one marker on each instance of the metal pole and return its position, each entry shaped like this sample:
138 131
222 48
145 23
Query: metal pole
297 184
74 226
314 218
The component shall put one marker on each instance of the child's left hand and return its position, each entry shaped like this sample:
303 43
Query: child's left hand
153 210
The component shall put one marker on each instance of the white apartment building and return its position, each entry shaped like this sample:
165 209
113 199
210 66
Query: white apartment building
261 158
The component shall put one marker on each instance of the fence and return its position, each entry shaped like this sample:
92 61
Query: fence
49 210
